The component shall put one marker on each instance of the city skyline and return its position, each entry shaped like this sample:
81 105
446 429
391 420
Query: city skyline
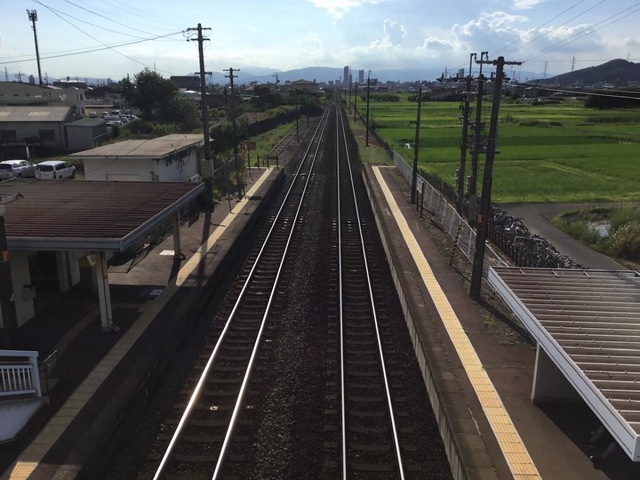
112 39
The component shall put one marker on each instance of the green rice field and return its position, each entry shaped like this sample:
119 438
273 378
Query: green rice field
547 153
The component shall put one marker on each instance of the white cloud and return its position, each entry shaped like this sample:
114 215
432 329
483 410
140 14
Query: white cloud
338 8
525 4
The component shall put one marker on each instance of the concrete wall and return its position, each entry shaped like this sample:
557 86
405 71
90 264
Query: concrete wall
141 170
83 137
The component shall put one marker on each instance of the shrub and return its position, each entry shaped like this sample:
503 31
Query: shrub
625 242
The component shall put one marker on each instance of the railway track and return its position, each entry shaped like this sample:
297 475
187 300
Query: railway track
308 371
369 405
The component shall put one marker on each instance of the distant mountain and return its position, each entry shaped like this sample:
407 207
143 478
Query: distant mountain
327 74
615 72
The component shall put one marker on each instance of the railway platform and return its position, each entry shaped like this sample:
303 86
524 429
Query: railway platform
479 375
103 378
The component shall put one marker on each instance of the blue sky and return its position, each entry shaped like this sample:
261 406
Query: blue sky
375 35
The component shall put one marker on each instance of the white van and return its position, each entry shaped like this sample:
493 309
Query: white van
55 170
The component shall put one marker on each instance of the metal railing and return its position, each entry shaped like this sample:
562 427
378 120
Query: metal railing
446 215
19 373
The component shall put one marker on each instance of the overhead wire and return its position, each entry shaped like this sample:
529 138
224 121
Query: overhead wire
68 53
594 28
541 26
98 40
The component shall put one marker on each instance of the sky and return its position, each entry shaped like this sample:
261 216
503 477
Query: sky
116 38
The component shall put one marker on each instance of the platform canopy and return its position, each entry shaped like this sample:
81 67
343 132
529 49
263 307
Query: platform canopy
588 323
88 215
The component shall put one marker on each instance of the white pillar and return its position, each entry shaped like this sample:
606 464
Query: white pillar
102 275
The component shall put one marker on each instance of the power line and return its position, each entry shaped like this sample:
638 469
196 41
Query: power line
589 31
69 53
101 16
540 26
556 28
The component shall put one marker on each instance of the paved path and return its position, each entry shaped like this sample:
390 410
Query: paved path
537 217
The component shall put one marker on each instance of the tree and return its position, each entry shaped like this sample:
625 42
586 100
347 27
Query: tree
265 98
181 111
149 92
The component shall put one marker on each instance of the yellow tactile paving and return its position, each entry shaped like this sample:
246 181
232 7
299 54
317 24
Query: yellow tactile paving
33 454
516 454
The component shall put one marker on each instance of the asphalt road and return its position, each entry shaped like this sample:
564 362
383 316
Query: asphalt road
537 217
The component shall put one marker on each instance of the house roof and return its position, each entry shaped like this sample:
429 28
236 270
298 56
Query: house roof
88 215
34 114
150 148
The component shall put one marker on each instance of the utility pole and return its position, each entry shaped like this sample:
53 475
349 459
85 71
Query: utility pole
368 86
203 97
414 176
475 147
33 17
355 104
463 143
485 199
231 76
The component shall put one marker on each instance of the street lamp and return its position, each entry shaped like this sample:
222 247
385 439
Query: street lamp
368 85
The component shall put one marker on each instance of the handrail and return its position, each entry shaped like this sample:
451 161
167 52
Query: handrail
19 377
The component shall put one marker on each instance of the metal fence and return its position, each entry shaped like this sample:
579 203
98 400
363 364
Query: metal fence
446 215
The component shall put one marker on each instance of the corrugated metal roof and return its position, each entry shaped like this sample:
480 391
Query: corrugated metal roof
83 215
150 148
34 114
588 322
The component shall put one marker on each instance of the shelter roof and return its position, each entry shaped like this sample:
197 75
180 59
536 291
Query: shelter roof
88 215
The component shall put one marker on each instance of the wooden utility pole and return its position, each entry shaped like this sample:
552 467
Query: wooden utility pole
463 143
414 176
203 97
485 199
231 76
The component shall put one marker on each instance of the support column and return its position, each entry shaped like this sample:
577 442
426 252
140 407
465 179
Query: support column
549 383
176 235
104 295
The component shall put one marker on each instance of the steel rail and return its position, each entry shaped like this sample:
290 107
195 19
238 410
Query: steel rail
394 429
207 369
245 380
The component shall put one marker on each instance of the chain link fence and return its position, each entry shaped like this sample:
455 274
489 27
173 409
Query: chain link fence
446 215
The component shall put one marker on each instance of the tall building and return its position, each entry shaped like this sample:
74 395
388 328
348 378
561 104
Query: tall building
345 75
361 76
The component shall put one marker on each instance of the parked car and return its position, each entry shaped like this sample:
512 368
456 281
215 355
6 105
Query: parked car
55 170
16 169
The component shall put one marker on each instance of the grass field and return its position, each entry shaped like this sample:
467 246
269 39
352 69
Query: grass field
547 153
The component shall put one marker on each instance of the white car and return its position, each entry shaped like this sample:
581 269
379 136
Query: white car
16 169
55 170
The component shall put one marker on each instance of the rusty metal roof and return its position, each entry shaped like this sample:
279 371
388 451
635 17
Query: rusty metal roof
588 322
88 215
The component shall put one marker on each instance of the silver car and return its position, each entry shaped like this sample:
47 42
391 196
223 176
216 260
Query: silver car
16 169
